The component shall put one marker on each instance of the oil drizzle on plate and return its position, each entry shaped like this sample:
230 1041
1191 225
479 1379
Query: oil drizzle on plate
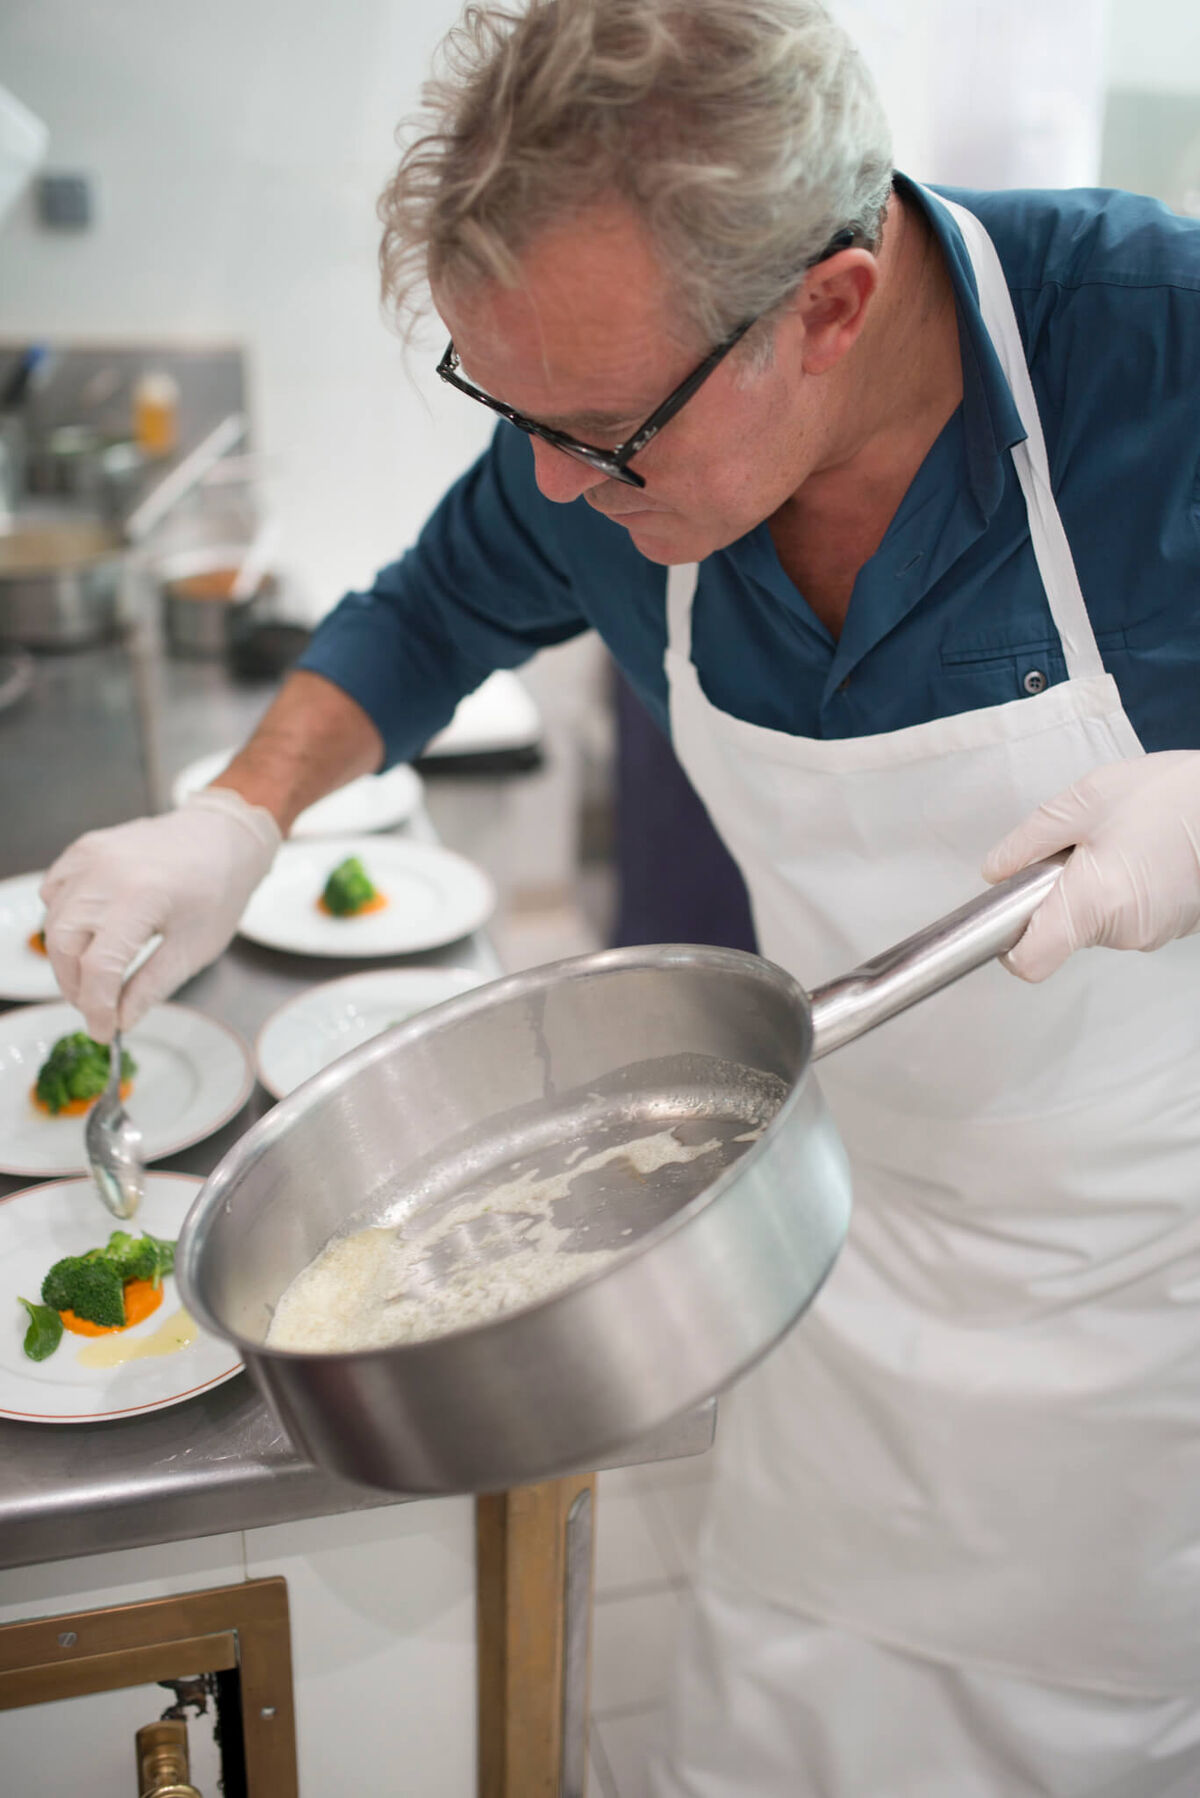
110 1351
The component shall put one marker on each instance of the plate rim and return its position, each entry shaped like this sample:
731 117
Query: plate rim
25 1172
321 986
74 1418
366 843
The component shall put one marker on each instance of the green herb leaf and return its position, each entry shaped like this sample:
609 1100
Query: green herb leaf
44 1333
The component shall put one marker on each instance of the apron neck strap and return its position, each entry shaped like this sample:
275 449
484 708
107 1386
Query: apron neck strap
681 587
1050 547
1054 559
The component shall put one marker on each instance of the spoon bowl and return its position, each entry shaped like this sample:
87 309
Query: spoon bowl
114 1144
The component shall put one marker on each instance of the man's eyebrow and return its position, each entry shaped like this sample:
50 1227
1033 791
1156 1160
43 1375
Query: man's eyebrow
580 423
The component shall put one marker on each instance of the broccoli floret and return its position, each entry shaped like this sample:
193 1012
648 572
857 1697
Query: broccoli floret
348 888
143 1257
93 1285
77 1068
119 1249
89 1286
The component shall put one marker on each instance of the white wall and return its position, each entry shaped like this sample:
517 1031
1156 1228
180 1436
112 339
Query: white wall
988 93
237 148
1154 44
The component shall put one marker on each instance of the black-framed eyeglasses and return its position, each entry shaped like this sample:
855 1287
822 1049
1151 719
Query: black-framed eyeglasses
615 462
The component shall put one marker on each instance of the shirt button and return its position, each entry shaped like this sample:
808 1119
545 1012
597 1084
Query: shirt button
1034 681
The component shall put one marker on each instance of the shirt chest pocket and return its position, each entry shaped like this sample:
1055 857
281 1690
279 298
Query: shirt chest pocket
987 672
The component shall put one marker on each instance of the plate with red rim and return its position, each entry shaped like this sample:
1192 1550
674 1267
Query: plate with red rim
25 972
433 897
193 1075
38 1226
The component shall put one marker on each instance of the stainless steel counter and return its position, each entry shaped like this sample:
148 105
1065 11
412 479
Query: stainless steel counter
218 1462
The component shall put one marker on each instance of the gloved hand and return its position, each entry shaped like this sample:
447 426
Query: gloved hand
186 875
1134 879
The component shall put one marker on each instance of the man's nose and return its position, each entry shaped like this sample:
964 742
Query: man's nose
562 477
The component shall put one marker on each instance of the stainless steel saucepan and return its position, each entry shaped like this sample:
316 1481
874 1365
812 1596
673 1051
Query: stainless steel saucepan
717 1256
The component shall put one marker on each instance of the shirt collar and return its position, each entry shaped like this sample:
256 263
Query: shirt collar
991 422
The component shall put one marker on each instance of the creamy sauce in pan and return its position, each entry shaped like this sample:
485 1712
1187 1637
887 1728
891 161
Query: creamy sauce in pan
489 1254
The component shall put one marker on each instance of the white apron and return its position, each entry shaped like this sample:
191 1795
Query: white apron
982 1444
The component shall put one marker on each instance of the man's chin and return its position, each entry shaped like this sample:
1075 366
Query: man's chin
666 538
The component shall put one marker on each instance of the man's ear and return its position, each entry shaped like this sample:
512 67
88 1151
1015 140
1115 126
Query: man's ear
832 307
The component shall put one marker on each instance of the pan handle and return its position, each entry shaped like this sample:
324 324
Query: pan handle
942 953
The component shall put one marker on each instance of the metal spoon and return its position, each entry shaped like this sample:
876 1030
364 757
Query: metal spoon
114 1144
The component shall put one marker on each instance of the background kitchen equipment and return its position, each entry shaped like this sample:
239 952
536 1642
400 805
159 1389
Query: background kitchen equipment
79 490
200 608
60 575
59 581
90 389
718 1255
224 600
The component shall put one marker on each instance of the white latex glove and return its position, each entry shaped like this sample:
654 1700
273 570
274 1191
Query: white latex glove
1134 879
185 876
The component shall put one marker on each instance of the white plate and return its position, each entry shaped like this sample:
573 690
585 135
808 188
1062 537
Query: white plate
374 802
39 1226
193 1076
24 974
498 715
315 1027
434 897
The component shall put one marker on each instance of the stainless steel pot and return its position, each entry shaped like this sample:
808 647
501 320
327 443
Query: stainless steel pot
59 582
200 616
718 1256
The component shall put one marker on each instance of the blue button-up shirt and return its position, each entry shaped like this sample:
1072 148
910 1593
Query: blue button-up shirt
949 615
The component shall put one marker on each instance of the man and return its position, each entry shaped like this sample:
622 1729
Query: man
937 461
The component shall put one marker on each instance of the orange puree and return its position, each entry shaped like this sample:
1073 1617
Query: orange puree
360 911
75 1108
141 1298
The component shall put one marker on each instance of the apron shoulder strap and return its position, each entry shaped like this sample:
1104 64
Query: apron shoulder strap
681 588
1054 559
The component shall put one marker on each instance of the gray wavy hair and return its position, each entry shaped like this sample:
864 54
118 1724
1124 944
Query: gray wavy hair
745 133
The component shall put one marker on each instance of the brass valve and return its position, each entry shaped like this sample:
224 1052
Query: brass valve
162 1757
